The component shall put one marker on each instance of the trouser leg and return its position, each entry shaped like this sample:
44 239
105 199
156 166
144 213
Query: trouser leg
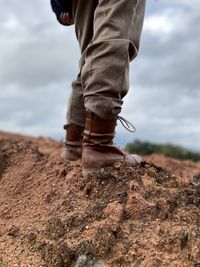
83 13
76 109
109 35
117 27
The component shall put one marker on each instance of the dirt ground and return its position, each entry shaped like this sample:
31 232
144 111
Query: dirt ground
51 216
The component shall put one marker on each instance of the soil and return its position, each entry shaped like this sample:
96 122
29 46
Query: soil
51 216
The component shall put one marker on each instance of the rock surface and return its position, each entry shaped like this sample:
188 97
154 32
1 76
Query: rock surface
51 216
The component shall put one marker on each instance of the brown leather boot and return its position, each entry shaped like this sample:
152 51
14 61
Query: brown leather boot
98 149
73 144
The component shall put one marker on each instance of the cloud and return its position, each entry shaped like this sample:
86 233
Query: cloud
38 63
40 113
164 100
39 59
35 48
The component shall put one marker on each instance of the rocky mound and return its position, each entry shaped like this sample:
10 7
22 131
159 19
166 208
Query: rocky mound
182 168
51 216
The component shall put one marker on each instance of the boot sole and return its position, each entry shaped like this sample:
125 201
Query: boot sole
100 172
103 172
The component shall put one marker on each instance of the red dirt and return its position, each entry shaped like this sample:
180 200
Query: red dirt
182 168
51 216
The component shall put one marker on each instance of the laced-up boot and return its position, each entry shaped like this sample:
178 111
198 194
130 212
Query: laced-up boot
98 149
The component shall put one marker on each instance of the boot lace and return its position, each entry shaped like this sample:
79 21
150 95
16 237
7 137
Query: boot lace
127 124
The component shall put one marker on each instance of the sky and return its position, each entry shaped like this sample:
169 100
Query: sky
39 60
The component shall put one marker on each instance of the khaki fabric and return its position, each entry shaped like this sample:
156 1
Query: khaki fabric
108 32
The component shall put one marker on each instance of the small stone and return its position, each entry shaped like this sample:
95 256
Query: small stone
133 186
32 237
82 261
63 173
55 228
50 196
148 181
85 261
196 178
183 240
13 231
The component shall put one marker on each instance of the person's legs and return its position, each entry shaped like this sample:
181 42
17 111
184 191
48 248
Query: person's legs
105 76
83 13
116 36
108 33
76 109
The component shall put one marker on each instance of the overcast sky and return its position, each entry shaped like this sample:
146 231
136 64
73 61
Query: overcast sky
39 60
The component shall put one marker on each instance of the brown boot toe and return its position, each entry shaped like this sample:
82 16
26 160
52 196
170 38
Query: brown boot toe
133 159
99 164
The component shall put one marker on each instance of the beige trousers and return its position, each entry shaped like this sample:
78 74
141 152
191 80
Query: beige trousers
108 32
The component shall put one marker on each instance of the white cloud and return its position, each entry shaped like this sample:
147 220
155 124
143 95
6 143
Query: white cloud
39 59
158 24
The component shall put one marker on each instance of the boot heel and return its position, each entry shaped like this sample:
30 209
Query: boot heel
100 172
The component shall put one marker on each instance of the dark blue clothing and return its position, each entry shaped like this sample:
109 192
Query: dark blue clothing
59 6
